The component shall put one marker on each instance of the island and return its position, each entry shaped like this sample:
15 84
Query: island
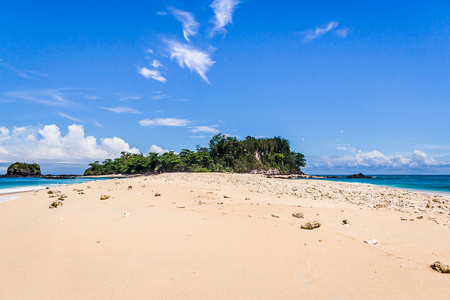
19 169
269 156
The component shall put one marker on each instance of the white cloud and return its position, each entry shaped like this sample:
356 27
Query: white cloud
153 74
130 98
46 96
157 149
24 73
47 144
223 10
4 133
96 123
196 60
190 25
160 95
70 117
119 110
312 34
209 129
150 51
342 32
156 64
164 122
416 160
198 137
92 97
161 13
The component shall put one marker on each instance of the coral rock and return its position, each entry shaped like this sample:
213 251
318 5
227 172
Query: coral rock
310 225
440 267
298 215
56 204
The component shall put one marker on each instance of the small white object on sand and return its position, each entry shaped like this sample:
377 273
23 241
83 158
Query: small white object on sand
181 206
126 214
372 242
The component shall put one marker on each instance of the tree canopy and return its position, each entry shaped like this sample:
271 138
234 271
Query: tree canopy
224 154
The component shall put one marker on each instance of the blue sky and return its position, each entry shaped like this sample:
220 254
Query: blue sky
355 86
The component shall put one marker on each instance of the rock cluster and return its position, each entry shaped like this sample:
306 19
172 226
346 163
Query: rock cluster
440 267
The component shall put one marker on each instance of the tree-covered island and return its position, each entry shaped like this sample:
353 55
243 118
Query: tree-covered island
224 154
19 169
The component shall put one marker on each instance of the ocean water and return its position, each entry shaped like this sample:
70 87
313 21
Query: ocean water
22 184
432 184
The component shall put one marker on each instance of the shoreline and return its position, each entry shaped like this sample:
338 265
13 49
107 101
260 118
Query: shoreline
291 177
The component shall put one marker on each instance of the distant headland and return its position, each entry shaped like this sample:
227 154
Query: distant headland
19 169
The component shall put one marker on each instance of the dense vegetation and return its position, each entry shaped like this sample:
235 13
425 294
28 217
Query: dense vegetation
224 154
23 169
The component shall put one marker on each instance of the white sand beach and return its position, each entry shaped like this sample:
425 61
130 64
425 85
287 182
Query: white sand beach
223 236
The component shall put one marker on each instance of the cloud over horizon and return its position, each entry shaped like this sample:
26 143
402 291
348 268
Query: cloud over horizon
47 144
376 160
157 150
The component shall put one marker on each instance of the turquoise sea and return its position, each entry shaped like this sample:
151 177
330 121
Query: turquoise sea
12 185
433 184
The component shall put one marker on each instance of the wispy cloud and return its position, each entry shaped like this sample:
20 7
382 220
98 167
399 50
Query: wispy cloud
161 13
198 136
208 129
126 98
342 32
24 73
92 97
312 34
165 122
189 24
156 64
191 57
47 96
70 117
223 10
160 95
96 123
120 110
153 74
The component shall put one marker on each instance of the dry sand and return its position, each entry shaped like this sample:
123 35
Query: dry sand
220 245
